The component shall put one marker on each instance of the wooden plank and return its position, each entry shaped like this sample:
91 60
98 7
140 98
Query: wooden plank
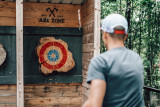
8 92
89 28
8 99
52 91
87 56
66 1
87 3
36 13
4 87
85 84
88 19
77 1
9 0
40 6
54 101
85 91
84 72
44 1
97 18
35 22
43 6
88 47
6 4
19 52
32 0
55 1
57 79
42 31
54 84
52 87
88 38
85 65
8 105
55 105
86 11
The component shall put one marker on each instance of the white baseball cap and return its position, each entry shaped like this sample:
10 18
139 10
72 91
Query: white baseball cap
113 20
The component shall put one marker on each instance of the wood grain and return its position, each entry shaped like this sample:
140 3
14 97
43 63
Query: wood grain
19 53
88 23
43 95
97 14
3 54
87 56
88 47
69 62
36 14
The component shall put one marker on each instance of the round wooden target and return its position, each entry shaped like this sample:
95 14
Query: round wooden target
54 55
3 54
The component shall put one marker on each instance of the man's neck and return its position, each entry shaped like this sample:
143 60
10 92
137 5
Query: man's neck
114 45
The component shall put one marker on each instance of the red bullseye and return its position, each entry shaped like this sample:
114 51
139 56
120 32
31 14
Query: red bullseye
44 62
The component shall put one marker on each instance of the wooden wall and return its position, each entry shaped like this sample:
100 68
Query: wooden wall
44 95
88 43
91 39
56 95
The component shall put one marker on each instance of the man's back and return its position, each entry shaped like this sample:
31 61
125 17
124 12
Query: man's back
122 70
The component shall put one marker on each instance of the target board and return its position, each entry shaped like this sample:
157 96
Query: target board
54 55
3 54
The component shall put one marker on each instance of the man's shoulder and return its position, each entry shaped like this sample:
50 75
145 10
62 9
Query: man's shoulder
133 53
99 57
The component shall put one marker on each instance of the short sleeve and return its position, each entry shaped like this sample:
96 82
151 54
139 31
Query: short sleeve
96 70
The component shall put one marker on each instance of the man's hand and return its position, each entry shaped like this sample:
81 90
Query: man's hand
97 93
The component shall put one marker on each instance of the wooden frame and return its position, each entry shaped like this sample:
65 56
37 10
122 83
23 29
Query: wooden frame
97 15
19 52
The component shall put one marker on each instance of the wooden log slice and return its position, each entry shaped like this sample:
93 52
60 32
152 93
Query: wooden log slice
54 55
3 54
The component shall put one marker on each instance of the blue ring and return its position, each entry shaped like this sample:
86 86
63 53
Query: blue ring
53 59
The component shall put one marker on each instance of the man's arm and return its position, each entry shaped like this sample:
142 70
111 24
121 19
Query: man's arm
97 93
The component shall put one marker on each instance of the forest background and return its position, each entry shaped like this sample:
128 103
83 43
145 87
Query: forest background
144 38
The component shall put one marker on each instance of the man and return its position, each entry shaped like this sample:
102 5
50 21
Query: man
116 76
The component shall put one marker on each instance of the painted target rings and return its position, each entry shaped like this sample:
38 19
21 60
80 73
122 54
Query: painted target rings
56 55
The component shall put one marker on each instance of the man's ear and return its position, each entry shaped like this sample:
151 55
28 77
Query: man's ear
126 36
105 35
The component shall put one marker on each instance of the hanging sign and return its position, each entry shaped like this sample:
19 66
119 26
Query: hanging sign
3 54
54 55
53 16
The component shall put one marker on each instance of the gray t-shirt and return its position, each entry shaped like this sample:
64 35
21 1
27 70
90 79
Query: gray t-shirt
122 69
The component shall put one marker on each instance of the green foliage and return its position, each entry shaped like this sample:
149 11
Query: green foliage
144 33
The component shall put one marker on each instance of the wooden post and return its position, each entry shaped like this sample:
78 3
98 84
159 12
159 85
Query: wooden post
19 52
97 17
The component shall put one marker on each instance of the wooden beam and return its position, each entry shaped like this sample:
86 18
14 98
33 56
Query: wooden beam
55 1
66 1
32 0
8 0
19 52
77 1
44 1
97 15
